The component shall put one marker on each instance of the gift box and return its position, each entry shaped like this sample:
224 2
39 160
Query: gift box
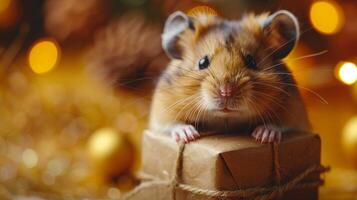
230 166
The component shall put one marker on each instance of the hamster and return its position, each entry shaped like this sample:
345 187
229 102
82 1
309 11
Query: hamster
228 75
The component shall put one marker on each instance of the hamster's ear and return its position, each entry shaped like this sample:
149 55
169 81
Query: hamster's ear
175 24
281 30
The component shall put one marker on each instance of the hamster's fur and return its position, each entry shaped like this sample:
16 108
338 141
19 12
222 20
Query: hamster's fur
228 75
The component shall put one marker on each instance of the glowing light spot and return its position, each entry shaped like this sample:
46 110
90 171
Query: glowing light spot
43 56
57 167
326 17
4 5
48 179
113 193
349 135
103 142
7 172
30 158
347 72
202 10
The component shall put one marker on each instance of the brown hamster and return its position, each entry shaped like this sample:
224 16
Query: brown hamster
228 75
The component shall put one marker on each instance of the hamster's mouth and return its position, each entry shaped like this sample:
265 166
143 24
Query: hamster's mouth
226 110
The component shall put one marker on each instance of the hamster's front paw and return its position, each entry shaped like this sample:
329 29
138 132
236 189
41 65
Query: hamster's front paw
267 134
184 132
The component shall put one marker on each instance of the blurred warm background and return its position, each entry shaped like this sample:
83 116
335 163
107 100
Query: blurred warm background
76 78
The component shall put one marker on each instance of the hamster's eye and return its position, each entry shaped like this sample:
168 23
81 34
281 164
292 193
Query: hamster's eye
203 63
250 62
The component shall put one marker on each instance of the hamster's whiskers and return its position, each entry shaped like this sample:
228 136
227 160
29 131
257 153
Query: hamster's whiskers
130 80
256 109
192 102
274 87
269 112
200 112
181 101
269 109
322 100
191 112
248 103
298 58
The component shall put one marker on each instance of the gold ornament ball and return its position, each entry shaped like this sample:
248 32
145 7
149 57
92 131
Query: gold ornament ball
349 139
111 152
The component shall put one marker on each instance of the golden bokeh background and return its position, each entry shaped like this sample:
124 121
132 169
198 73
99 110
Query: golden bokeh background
76 79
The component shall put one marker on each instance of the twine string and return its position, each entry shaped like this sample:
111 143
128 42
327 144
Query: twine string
177 170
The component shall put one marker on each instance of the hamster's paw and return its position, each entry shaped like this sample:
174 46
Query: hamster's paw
267 134
184 132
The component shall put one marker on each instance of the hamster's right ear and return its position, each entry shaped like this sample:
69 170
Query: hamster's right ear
281 30
175 25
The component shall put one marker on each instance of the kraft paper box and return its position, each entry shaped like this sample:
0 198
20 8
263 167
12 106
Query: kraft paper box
229 162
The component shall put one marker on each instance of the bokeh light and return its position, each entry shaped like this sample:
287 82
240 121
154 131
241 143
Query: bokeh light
44 56
30 158
326 17
114 193
347 72
4 4
103 142
349 136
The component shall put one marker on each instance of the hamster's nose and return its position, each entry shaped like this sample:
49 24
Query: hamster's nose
226 90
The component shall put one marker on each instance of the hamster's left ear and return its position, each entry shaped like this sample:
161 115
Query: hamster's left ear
175 25
281 30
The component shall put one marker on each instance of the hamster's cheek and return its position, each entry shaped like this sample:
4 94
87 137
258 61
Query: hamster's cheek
208 101
208 96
